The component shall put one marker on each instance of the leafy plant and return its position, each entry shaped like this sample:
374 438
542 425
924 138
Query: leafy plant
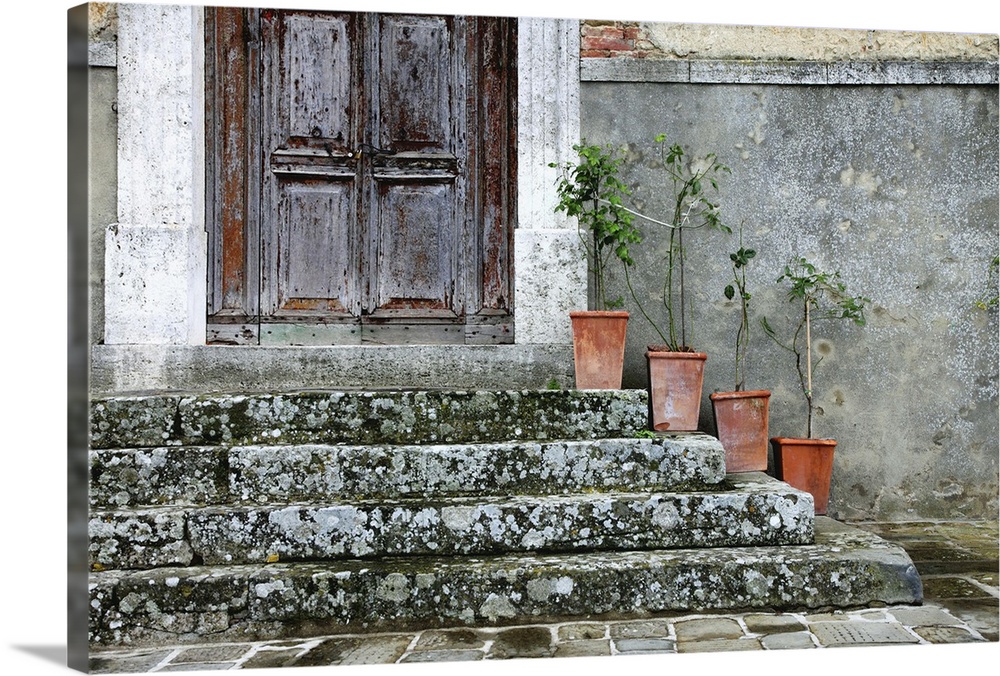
739 260
592 192
992 298
821 295
692 206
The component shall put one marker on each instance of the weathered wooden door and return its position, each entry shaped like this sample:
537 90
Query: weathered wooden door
374 178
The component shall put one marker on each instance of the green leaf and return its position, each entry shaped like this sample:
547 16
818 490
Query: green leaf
730 292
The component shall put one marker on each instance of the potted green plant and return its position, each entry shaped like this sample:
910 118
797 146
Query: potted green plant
675 369
592 192
741 416
807 463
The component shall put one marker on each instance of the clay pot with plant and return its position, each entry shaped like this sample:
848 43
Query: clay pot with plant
807 463
592 192
675 369
741 416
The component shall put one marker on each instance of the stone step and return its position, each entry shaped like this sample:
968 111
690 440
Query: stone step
845 567
264 475
365 417
752 510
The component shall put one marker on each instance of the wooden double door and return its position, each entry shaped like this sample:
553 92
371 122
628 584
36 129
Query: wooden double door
362 178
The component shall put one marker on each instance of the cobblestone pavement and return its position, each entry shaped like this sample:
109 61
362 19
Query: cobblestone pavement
957 562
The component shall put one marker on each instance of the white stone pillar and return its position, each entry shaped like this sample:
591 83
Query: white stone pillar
156 255
550 272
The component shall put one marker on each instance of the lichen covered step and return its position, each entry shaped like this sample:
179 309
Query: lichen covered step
755 511
356 417
310 472
277 474
846 567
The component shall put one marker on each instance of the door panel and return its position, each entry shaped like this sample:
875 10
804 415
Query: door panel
418 196
315 245
318 86
309 225
415 74
377 186
416 263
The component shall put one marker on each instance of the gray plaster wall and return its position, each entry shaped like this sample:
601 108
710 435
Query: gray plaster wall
896 187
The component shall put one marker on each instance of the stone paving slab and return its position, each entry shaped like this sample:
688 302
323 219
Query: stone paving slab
584 648
788 641
945 634
719 645
522 642
946 547
582 631
772 624
380 649
443 656
967 587
451 639
979 614
645 645
955 587
833 634
659 635
708 629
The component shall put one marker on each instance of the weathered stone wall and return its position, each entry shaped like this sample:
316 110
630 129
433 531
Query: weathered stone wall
705 41
894 183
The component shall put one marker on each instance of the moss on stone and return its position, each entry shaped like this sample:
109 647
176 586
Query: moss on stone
843 569
365 417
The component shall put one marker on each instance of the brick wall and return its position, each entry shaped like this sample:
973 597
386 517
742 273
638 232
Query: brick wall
603 39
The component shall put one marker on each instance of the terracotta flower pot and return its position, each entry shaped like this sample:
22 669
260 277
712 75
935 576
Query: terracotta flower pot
741 426
806 464
599 348
675 382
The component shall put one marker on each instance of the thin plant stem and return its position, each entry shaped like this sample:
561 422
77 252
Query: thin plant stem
809 376
642 310
680 246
